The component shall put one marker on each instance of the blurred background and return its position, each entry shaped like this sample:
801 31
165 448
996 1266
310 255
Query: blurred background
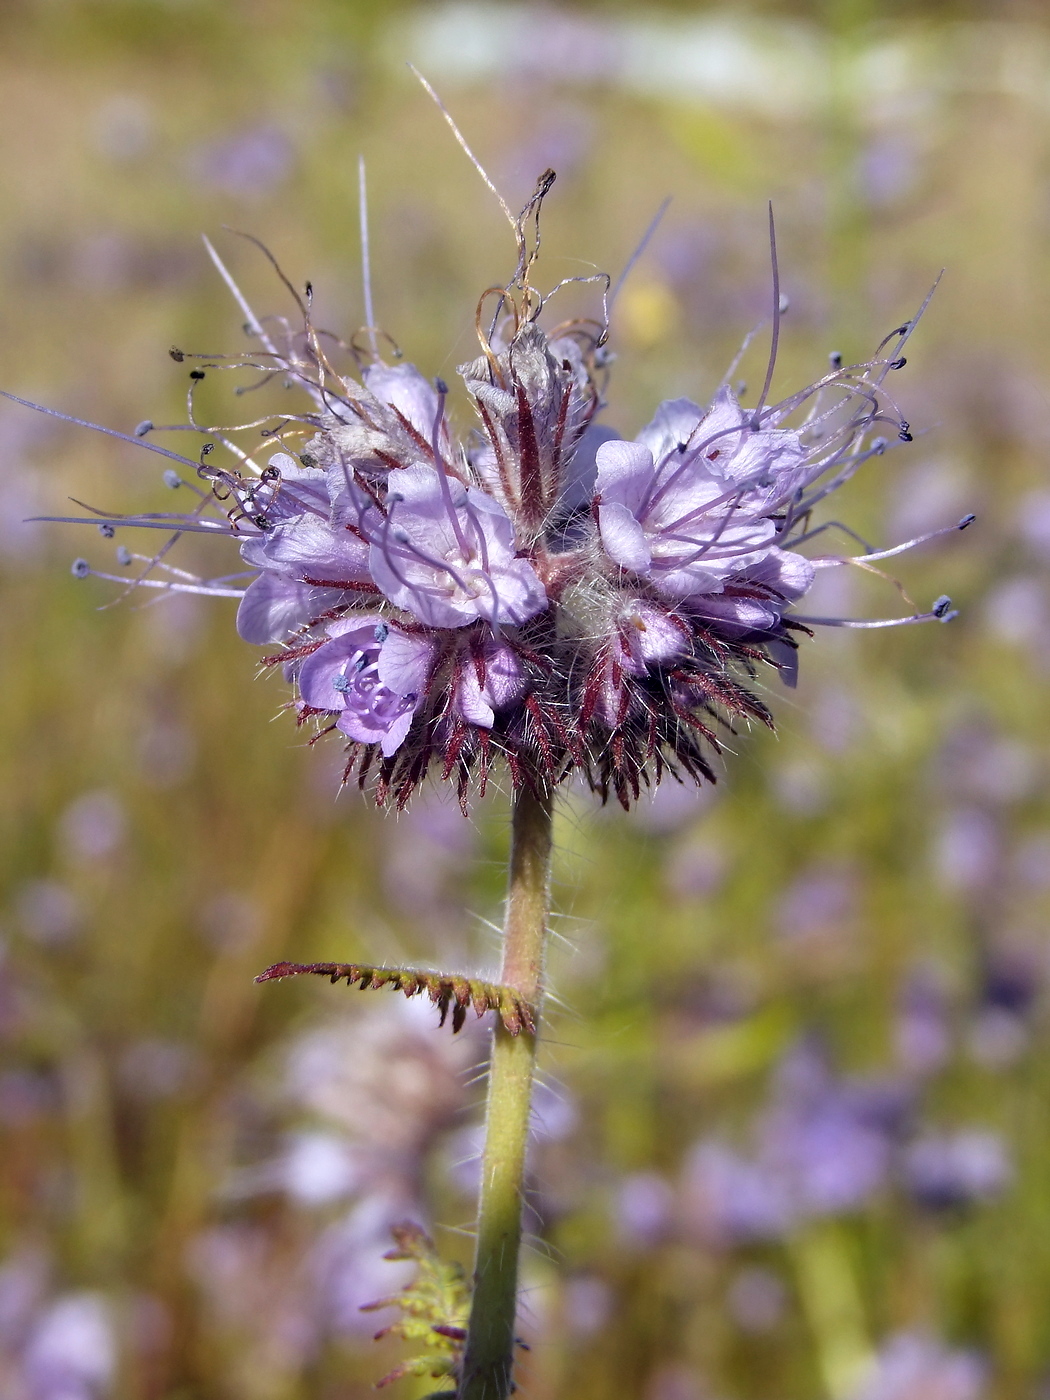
792 1141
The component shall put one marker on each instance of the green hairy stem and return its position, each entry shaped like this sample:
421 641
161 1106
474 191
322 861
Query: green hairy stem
489 1358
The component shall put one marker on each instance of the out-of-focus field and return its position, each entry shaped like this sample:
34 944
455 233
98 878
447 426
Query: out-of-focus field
793 1140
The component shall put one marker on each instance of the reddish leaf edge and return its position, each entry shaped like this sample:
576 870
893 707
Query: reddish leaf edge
449 992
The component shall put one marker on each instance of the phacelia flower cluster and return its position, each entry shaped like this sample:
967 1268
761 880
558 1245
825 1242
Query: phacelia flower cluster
538 591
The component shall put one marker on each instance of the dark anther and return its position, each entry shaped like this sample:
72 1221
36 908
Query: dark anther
269 474
143 428
307 460
898 364
941 606
196 374
81 568
309 289
172 480
206 449
261 523
905 436
835 359
966 520
106 530
176 354
123 556
441 386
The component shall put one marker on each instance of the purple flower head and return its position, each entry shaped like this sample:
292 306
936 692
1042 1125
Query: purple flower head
540 593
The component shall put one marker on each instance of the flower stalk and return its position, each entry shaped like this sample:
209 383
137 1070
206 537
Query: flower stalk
489 1357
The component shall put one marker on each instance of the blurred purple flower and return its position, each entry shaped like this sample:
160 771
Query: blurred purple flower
24 1276
926 494
425 853
728 1199
25 1096
967 850
247 164
71 1353
1018 611
348 1267
942 1171
912 1366
643 1208
976 763
49 912
1033 521
824 1147
922 1028
388 1082
889 168
829 1140
1011 981
1032 861
673 805
756 1298
694 868
820 901
254 1289
588 1304
93 826
156 1068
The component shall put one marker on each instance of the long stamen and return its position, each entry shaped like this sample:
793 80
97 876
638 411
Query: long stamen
756 417
81 569
829 561
366 260
98 428
941 611
439 464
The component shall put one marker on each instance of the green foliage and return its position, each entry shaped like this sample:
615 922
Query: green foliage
435 1305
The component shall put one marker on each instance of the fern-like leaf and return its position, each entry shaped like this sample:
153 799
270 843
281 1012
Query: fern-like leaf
449 991
434 1308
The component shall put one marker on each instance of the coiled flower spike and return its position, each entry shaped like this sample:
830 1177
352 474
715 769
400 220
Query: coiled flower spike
540 593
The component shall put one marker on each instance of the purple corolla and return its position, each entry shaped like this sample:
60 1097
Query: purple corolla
490 678
307 557
373 675
689 504
446 553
